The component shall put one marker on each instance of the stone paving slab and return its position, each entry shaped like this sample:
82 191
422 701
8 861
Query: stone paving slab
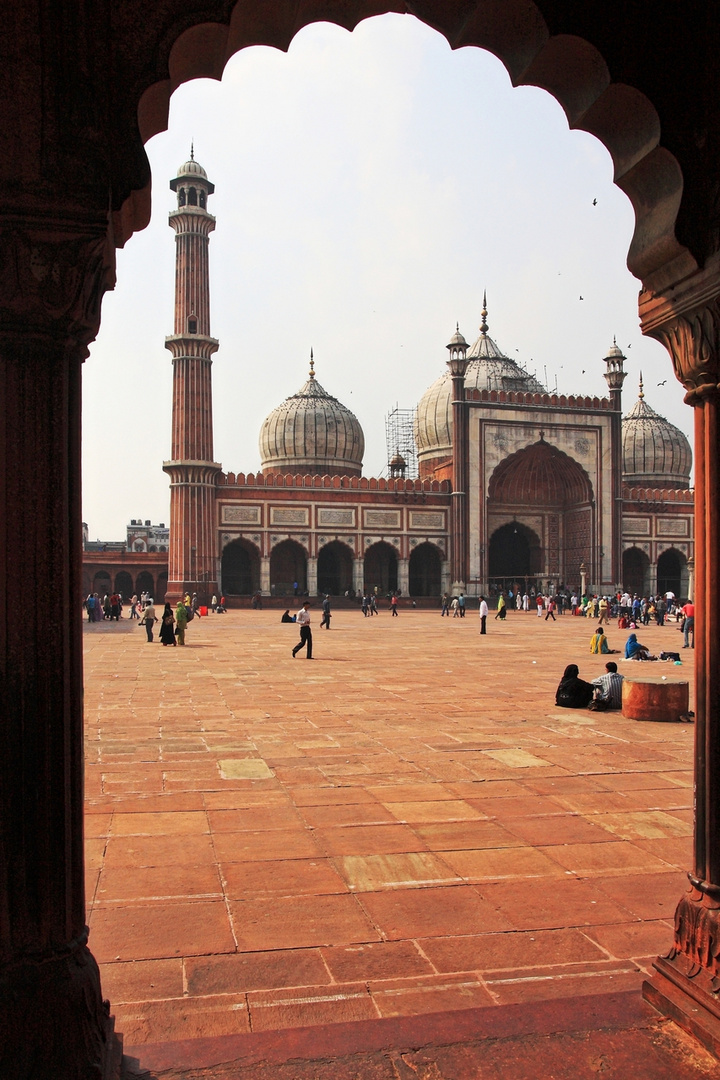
407 826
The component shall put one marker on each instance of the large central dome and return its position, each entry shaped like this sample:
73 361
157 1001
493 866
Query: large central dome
488 369
312 432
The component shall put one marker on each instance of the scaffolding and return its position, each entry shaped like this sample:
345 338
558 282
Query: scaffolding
400 439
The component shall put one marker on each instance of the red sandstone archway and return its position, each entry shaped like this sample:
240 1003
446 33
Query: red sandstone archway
544 481
335 568
381 568
240 569
636 572
288 569
150 57
425 570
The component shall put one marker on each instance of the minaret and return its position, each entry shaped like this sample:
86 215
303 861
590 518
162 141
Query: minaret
192 471
615 377
457 363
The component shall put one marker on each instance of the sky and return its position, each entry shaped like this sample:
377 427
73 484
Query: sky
369 187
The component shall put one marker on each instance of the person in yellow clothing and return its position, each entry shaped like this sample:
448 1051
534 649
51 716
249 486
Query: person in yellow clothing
181 621
599 643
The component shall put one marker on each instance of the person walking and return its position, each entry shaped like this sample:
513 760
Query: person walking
501 612
550 611
461 605
181 621
149 619
394 604
303 620
445 605
483 612
326 612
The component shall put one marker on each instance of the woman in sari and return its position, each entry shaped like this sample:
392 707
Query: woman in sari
598 642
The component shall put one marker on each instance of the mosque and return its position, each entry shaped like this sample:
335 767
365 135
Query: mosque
515 485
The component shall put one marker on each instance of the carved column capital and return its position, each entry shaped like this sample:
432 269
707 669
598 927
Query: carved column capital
685 318
53 277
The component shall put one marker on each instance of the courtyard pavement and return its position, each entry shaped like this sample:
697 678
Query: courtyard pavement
408 826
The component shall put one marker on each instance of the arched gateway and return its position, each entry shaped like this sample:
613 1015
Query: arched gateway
622 72
548 498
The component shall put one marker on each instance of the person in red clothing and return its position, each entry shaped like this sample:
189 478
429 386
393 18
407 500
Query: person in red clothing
394 603
689 624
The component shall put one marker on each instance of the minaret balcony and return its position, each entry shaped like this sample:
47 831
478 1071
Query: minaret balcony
195 346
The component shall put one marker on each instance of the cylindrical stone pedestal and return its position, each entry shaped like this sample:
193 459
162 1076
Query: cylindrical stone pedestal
654 699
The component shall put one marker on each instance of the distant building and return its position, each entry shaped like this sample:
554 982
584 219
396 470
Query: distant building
503 483
143 536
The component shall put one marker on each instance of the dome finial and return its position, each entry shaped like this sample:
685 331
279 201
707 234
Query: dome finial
312 365
483 314
641 395
192 149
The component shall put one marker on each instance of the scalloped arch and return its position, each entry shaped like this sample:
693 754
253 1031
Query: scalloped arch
569 68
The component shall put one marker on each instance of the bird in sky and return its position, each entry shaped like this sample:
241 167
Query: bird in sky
582 297
594 202
662 383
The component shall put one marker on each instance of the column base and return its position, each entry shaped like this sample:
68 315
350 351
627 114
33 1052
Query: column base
177 590
676 994
686 986
55 1023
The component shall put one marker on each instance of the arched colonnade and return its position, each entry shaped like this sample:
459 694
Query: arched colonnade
290 570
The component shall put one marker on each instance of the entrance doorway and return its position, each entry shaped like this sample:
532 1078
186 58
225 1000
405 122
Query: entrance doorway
335 569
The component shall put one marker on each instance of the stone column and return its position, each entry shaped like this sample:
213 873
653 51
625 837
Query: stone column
685 984
312 576
404 576
265 575
358 575
54 1022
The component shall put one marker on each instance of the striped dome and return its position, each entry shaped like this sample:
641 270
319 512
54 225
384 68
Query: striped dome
655 452
312 432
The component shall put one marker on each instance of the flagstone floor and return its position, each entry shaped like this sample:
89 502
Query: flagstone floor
407 826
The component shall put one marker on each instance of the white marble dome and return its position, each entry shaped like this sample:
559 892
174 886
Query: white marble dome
488 369
312 432
655 453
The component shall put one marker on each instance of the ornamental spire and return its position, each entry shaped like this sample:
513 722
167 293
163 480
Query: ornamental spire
312 365
483 315
641 395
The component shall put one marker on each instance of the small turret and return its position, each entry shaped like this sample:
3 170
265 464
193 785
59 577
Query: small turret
615 372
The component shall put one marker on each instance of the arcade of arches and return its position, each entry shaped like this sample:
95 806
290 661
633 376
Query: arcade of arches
669 574
76 185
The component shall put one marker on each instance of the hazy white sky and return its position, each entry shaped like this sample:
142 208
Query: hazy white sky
369 186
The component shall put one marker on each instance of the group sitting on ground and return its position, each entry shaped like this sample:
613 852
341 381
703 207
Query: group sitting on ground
601 694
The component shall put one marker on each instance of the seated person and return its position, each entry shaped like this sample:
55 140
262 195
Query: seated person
286 616
608 689
635 651
598 642
573 692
